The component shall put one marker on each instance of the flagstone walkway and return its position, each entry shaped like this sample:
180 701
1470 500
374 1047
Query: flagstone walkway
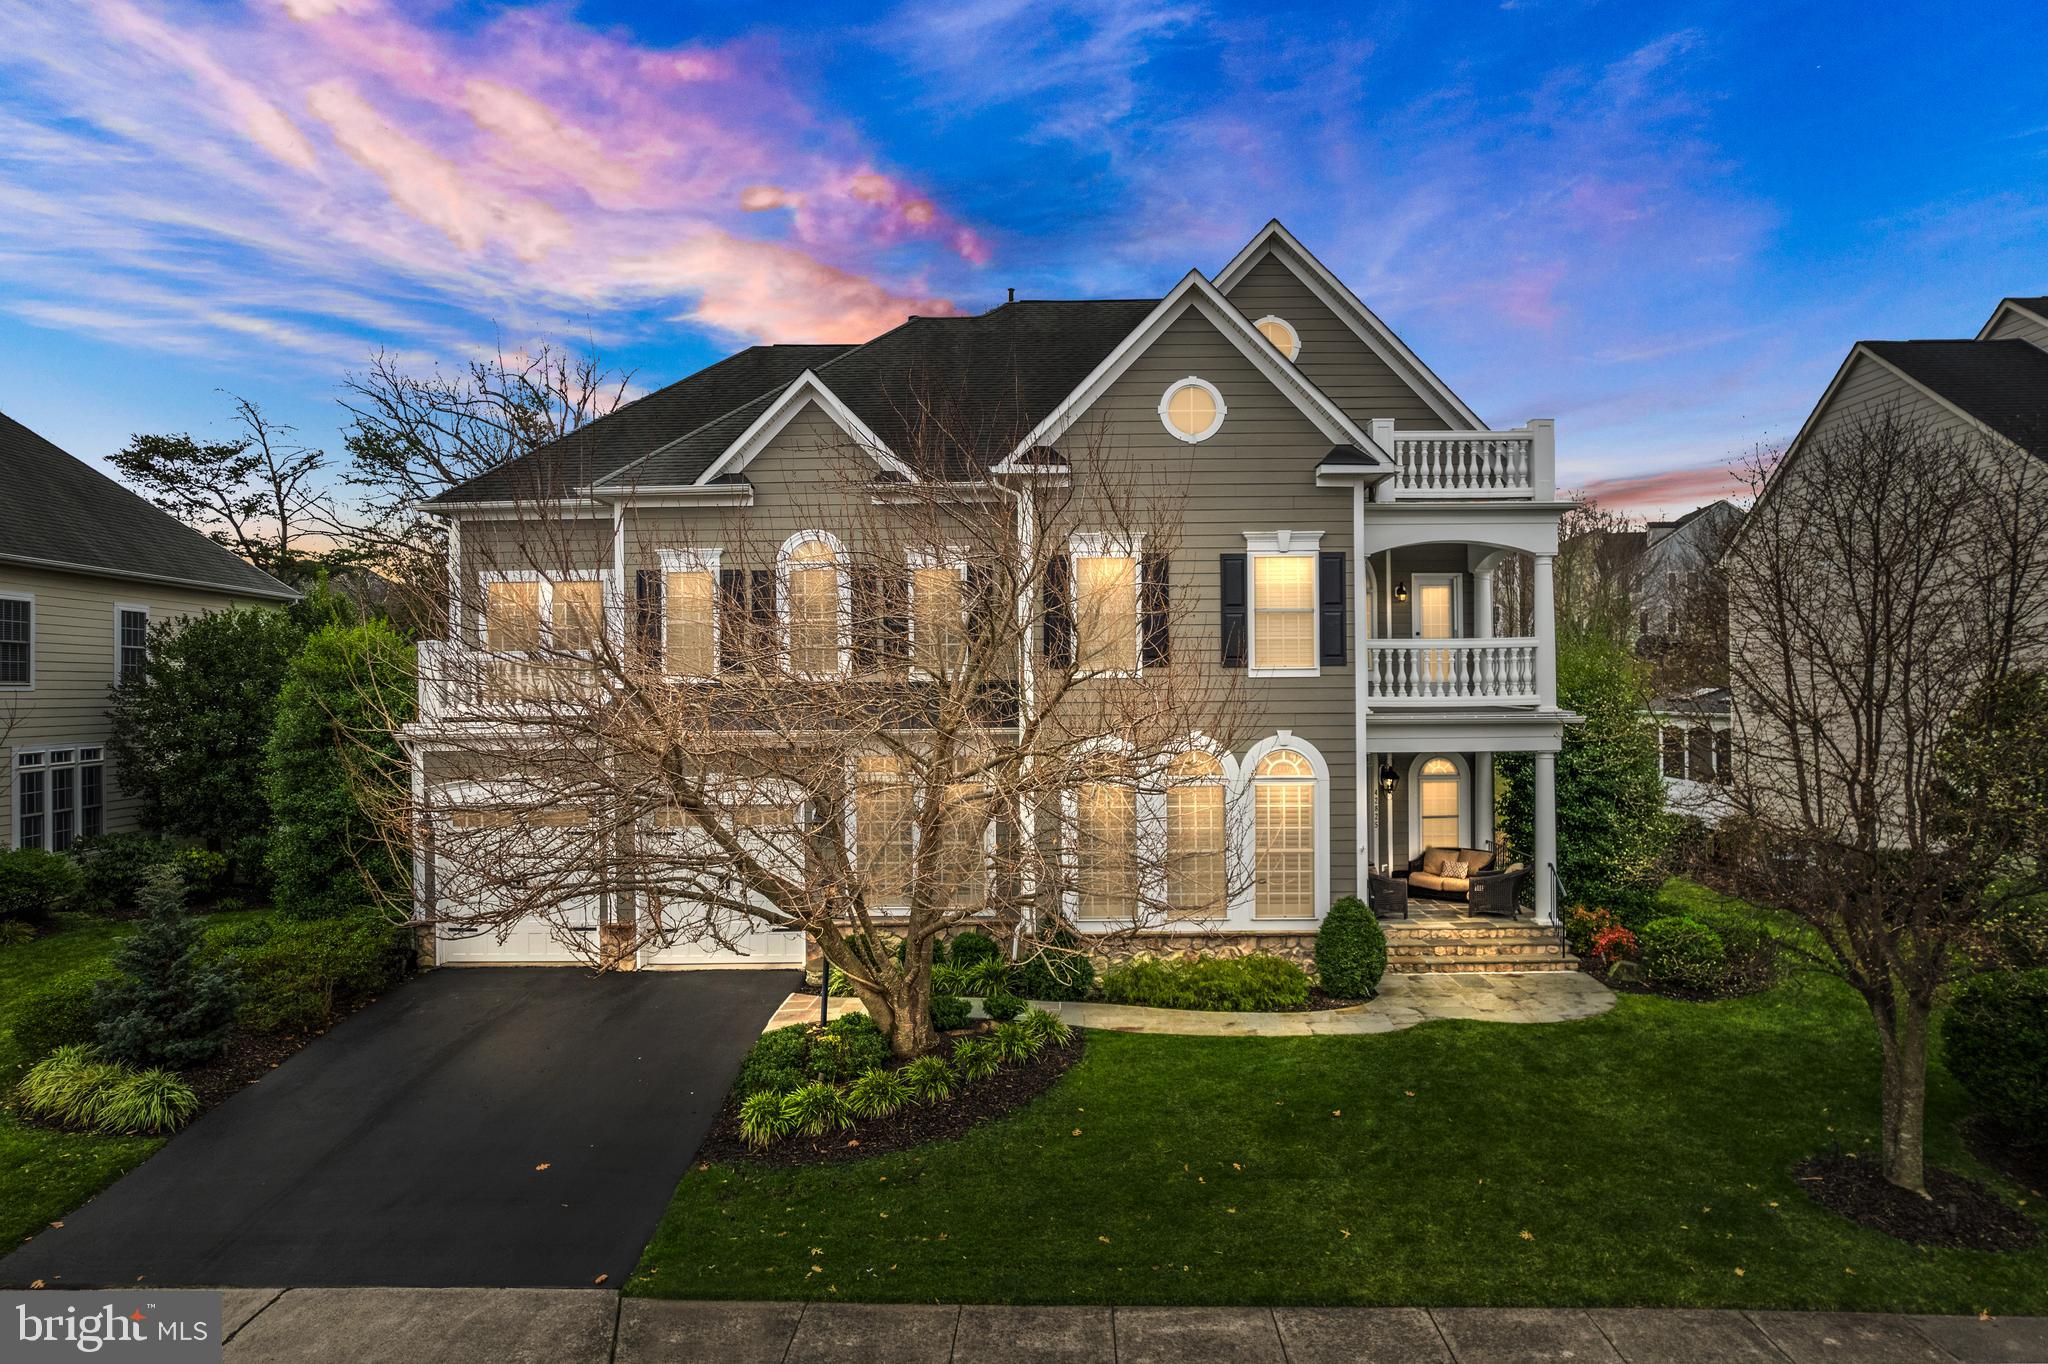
1404 1001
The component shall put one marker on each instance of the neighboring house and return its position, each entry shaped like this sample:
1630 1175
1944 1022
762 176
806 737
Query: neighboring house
1678 556
1328 473
1695 750
86 567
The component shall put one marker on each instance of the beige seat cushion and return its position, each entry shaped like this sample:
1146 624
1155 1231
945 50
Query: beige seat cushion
1476 860
1436 860
1430 881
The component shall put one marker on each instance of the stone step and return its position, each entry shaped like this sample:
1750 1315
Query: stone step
1497 935
1475 949
1439 965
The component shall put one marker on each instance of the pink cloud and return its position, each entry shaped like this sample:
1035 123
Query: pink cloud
766 289
1673 490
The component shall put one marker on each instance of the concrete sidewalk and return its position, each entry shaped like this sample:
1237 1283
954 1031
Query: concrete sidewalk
577 1326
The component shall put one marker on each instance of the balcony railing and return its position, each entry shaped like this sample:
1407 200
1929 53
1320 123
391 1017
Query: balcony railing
1504 465
1424 672
458 682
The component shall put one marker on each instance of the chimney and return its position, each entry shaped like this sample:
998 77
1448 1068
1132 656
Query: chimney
1013 293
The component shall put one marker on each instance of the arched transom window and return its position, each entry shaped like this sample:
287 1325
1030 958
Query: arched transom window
1284 816
814 589
1194 835
1440 793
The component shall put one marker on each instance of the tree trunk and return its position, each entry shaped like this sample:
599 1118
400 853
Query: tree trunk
1904 1138
902 1009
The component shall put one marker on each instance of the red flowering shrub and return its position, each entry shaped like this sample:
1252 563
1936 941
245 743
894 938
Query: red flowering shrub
1612 944
1582 925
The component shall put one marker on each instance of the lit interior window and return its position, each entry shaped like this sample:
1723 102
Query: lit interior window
1284 337
1192 410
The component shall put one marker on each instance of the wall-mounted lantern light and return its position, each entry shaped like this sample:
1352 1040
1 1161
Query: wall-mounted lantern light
1389 779
1401 591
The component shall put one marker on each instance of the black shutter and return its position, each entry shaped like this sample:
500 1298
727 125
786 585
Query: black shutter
1153 592
867 618
647 583
1330 609
1057 622
732 618
895 617
1235 616
762 632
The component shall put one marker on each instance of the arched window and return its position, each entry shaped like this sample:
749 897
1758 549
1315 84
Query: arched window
1440 799
814 582
1105 850
1282 334
1284 815
884 828
1194 835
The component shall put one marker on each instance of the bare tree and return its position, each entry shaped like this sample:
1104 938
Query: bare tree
1597 573
1884 593
412 436
259 494
966 700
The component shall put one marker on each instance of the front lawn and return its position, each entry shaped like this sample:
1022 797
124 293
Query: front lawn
45 1173
1643 1157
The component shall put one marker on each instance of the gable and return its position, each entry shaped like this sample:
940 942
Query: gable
1332 356
2018 320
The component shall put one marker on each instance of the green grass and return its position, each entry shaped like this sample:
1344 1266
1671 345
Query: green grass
44 1173
1643 1157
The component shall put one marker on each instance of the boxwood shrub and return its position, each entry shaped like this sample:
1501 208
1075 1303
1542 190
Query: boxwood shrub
1253 983
949 1012
35 884
58 1013
1995 1035
1351 950
1682 953
295 976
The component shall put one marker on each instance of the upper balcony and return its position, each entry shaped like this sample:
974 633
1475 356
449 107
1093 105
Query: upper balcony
1496 466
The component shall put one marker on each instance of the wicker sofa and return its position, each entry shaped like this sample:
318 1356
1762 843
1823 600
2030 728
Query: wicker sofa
1485 891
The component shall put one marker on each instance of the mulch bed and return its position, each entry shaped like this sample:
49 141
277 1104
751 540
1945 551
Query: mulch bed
971 1105
1999 1147
1957 1214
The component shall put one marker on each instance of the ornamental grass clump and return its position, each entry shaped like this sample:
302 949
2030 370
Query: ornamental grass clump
764 1119
1014 1043
930 1079
815 1109
977 1059
77 1087
877 1094
1050 1029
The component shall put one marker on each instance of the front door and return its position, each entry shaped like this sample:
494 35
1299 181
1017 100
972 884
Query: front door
1435 617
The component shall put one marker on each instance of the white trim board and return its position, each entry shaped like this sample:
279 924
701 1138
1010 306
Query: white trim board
806 388
1274 239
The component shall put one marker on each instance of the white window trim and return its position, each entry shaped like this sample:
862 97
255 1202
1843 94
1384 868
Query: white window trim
611 603
1152 817
1166 400
34 617
952 557
1244 909
783 568
1096 545
1281 544
1259 326
1465 794
1457 582
121 608
41 752
689 561
857 779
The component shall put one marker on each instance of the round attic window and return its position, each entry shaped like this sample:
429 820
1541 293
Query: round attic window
1192 409
1282 334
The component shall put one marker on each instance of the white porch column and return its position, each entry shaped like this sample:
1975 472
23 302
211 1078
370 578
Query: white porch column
1546 634
1546 838
1363 778
1482 604
1482 798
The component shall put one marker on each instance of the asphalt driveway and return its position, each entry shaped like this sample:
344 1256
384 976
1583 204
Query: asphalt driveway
477 1127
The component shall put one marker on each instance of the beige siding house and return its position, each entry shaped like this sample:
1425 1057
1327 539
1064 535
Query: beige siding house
86 567
1310 451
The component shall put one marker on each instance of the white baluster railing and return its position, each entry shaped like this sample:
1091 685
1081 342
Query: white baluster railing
1423 672
458 682
1469 464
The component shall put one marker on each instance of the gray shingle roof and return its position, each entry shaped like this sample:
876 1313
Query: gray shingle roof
60 511
2003 384
953 394
624 435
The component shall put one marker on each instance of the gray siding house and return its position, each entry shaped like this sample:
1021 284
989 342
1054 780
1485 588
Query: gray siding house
86 567
1310 445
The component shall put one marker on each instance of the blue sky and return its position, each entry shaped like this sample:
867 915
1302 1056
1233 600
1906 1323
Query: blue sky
1660 224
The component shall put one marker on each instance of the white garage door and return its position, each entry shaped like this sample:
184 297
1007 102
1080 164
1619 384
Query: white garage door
499 839
751 945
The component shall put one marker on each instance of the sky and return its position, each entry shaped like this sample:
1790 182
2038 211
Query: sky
1662 225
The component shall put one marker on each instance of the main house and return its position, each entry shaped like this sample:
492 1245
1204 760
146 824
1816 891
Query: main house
86 567
1340 515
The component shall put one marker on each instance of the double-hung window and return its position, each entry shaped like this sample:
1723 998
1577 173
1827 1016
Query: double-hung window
1105 851
131 641
17 642
526 613
690 612
1195 835
1284 615
938 613
1105 606
815 587
59 796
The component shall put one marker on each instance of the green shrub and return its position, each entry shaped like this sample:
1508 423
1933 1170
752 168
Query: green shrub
295 976
145 1103
930 1079
168 1005
950 1012
1995 1037
1351 950
763 1119
1582 924
1059 969
849 1045
815 1109
1002 1006
1015 1043
35 884
1682 953
976 1058
952 980
113 866
1749 950
204 873
973 947
58 1013
877 1094
332 756
1253 983
775 1065
1051 1029
14 933
64 1087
